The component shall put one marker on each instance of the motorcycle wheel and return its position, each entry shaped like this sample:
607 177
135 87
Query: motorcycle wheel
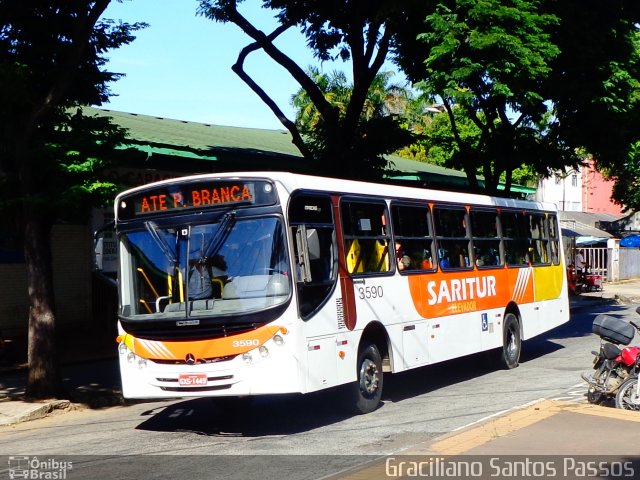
627 397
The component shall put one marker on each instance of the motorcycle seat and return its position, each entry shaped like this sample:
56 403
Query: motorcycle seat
610 351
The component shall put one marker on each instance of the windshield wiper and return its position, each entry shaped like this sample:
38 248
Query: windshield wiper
152 228
217 240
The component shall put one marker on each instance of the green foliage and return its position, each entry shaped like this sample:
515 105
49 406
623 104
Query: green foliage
80 149
486 62
626 189
339 134
597 74
379 128
544 82
595 85
51 60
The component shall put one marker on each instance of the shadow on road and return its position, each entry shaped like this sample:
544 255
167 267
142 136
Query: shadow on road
290 414
266 415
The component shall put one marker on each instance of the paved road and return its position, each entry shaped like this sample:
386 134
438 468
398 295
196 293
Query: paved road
418 406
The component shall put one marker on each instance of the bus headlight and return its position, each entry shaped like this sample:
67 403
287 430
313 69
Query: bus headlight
131 357
278 339
142 363
247 357
264 351
122 348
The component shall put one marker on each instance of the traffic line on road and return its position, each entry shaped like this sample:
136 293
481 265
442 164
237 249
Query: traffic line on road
470 437
466 440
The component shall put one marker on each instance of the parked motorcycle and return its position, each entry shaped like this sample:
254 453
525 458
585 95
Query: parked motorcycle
584 281
615 364
628 396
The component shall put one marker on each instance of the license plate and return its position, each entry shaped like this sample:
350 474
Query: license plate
192 379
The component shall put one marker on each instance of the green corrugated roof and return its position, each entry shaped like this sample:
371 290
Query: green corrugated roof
179 138
206 139
198 137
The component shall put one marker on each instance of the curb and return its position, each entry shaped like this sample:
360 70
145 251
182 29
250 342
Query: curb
626 299
34 412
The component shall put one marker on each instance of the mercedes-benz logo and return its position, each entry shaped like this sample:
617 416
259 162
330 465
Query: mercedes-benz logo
190 359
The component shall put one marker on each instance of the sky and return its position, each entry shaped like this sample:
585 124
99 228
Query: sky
180 66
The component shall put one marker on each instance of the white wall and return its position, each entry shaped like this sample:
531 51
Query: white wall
563 189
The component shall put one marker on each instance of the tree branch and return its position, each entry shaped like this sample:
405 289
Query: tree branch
60 84
265 42
464 149
363 75
238 69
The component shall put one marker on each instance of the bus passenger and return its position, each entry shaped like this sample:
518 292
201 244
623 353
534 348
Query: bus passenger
404 262
199 282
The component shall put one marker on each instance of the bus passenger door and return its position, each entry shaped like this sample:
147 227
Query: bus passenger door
320 303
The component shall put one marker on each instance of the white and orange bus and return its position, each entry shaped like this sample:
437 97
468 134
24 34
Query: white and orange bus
243 284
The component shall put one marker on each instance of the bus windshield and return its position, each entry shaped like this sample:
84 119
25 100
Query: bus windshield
228 267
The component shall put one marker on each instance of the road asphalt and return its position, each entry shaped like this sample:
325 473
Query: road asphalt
530 430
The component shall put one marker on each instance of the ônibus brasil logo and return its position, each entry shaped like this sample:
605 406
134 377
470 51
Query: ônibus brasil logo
38 469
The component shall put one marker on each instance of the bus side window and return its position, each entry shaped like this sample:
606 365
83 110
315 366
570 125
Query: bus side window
486 240
515 236
452 235
366 237
414 235
554 241
538 240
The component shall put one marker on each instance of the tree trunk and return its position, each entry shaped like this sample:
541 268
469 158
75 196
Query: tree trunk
44 378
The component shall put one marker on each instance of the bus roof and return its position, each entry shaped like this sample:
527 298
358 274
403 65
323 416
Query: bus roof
295 181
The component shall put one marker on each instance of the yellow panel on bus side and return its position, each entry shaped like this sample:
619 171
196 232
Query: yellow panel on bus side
548 281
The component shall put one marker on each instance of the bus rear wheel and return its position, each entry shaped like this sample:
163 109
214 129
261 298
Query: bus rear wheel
511 342
366 392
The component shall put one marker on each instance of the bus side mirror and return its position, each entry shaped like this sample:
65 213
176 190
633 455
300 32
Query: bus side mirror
106 231
98 252
105 253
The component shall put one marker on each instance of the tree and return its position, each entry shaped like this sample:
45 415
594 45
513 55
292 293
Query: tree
595 80
350 30
486 61
544 81
626 189
51 54
379 130
595 87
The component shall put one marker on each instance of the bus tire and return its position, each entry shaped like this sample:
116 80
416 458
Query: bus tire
366 392
511 342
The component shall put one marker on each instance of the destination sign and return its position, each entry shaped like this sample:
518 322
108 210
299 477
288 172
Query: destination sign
200 194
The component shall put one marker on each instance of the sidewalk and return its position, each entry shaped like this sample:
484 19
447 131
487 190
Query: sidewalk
93 388
514 432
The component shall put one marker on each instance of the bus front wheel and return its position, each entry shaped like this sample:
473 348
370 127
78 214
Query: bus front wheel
511 342
367 390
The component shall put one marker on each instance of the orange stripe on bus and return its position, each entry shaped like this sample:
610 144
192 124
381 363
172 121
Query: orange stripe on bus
214 348
449 293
